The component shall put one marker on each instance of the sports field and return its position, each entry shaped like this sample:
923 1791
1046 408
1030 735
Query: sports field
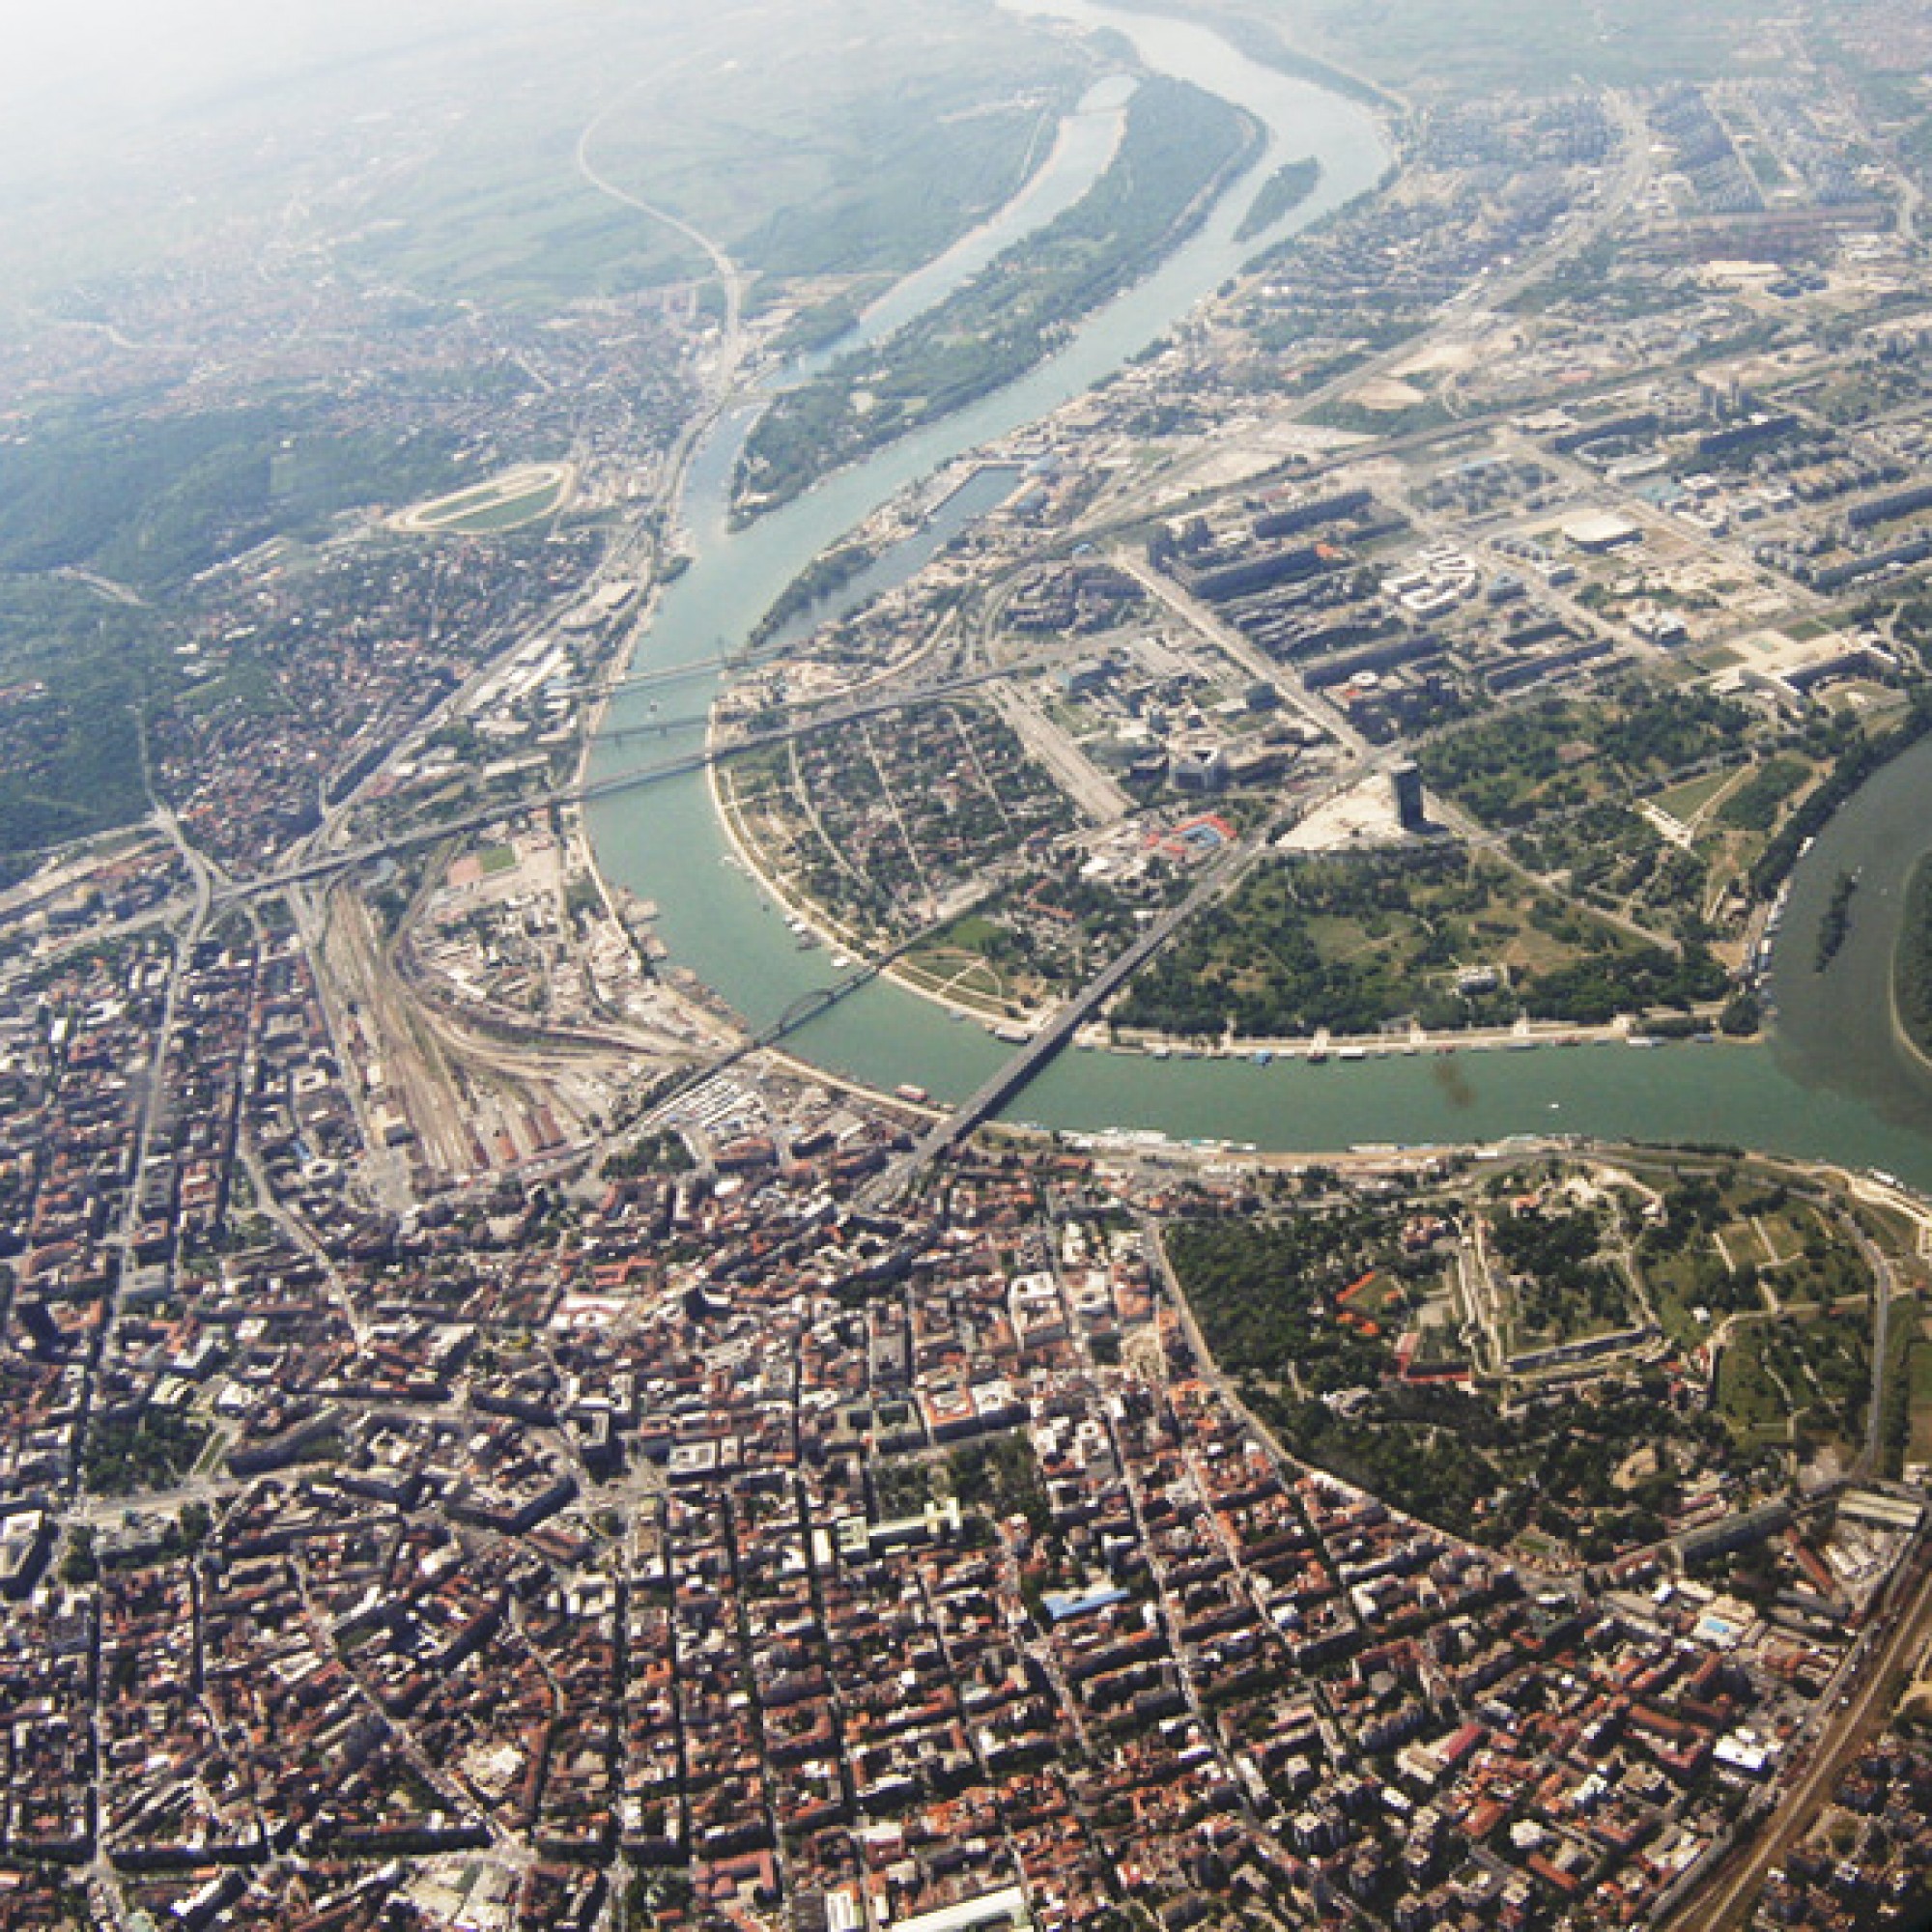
517 497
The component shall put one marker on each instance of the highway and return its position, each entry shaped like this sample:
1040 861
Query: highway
1207 623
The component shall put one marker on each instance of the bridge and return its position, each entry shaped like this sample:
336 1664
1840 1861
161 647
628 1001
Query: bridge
806 1008
801 1012
1020 1071
642 680
349 856
680 765
657 727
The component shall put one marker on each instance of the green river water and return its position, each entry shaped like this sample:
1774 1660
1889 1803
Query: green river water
1833 1085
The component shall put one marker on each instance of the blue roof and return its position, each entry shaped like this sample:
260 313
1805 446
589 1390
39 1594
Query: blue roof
1062 1605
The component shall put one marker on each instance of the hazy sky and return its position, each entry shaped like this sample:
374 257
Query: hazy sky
80 55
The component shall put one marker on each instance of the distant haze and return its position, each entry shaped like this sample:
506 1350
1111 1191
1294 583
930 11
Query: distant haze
59 58
126 126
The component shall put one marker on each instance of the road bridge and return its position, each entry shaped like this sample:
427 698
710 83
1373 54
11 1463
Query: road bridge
1019 1072
657 727
645 680
802 1010
680 765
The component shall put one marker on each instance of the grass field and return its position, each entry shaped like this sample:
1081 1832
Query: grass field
1815 1263
1748 1396
1696 1278
959 977
1812 1376
1686 800
1796 1255
493 519
956 966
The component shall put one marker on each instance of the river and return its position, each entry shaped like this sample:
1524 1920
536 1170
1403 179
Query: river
1834 1028
665 843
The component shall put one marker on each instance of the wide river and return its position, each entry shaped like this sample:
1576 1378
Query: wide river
1833 1085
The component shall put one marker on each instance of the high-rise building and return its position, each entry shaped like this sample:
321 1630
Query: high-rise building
1407 780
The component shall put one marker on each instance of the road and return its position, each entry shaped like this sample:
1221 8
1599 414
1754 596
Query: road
733 279
1019 1072
1103 799
153 1092
295 1232
1257 664
1726 1902
1884 1281
680 765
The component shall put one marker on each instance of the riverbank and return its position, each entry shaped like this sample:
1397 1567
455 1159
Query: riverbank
800 916
665 844
1911 966
1183 149
1085 143
814 918
1627 1030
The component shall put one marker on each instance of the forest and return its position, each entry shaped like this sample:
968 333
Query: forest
74 668
108 514
1281 195
1265 1294
1858 761
1562 753
1563 1285
150 501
